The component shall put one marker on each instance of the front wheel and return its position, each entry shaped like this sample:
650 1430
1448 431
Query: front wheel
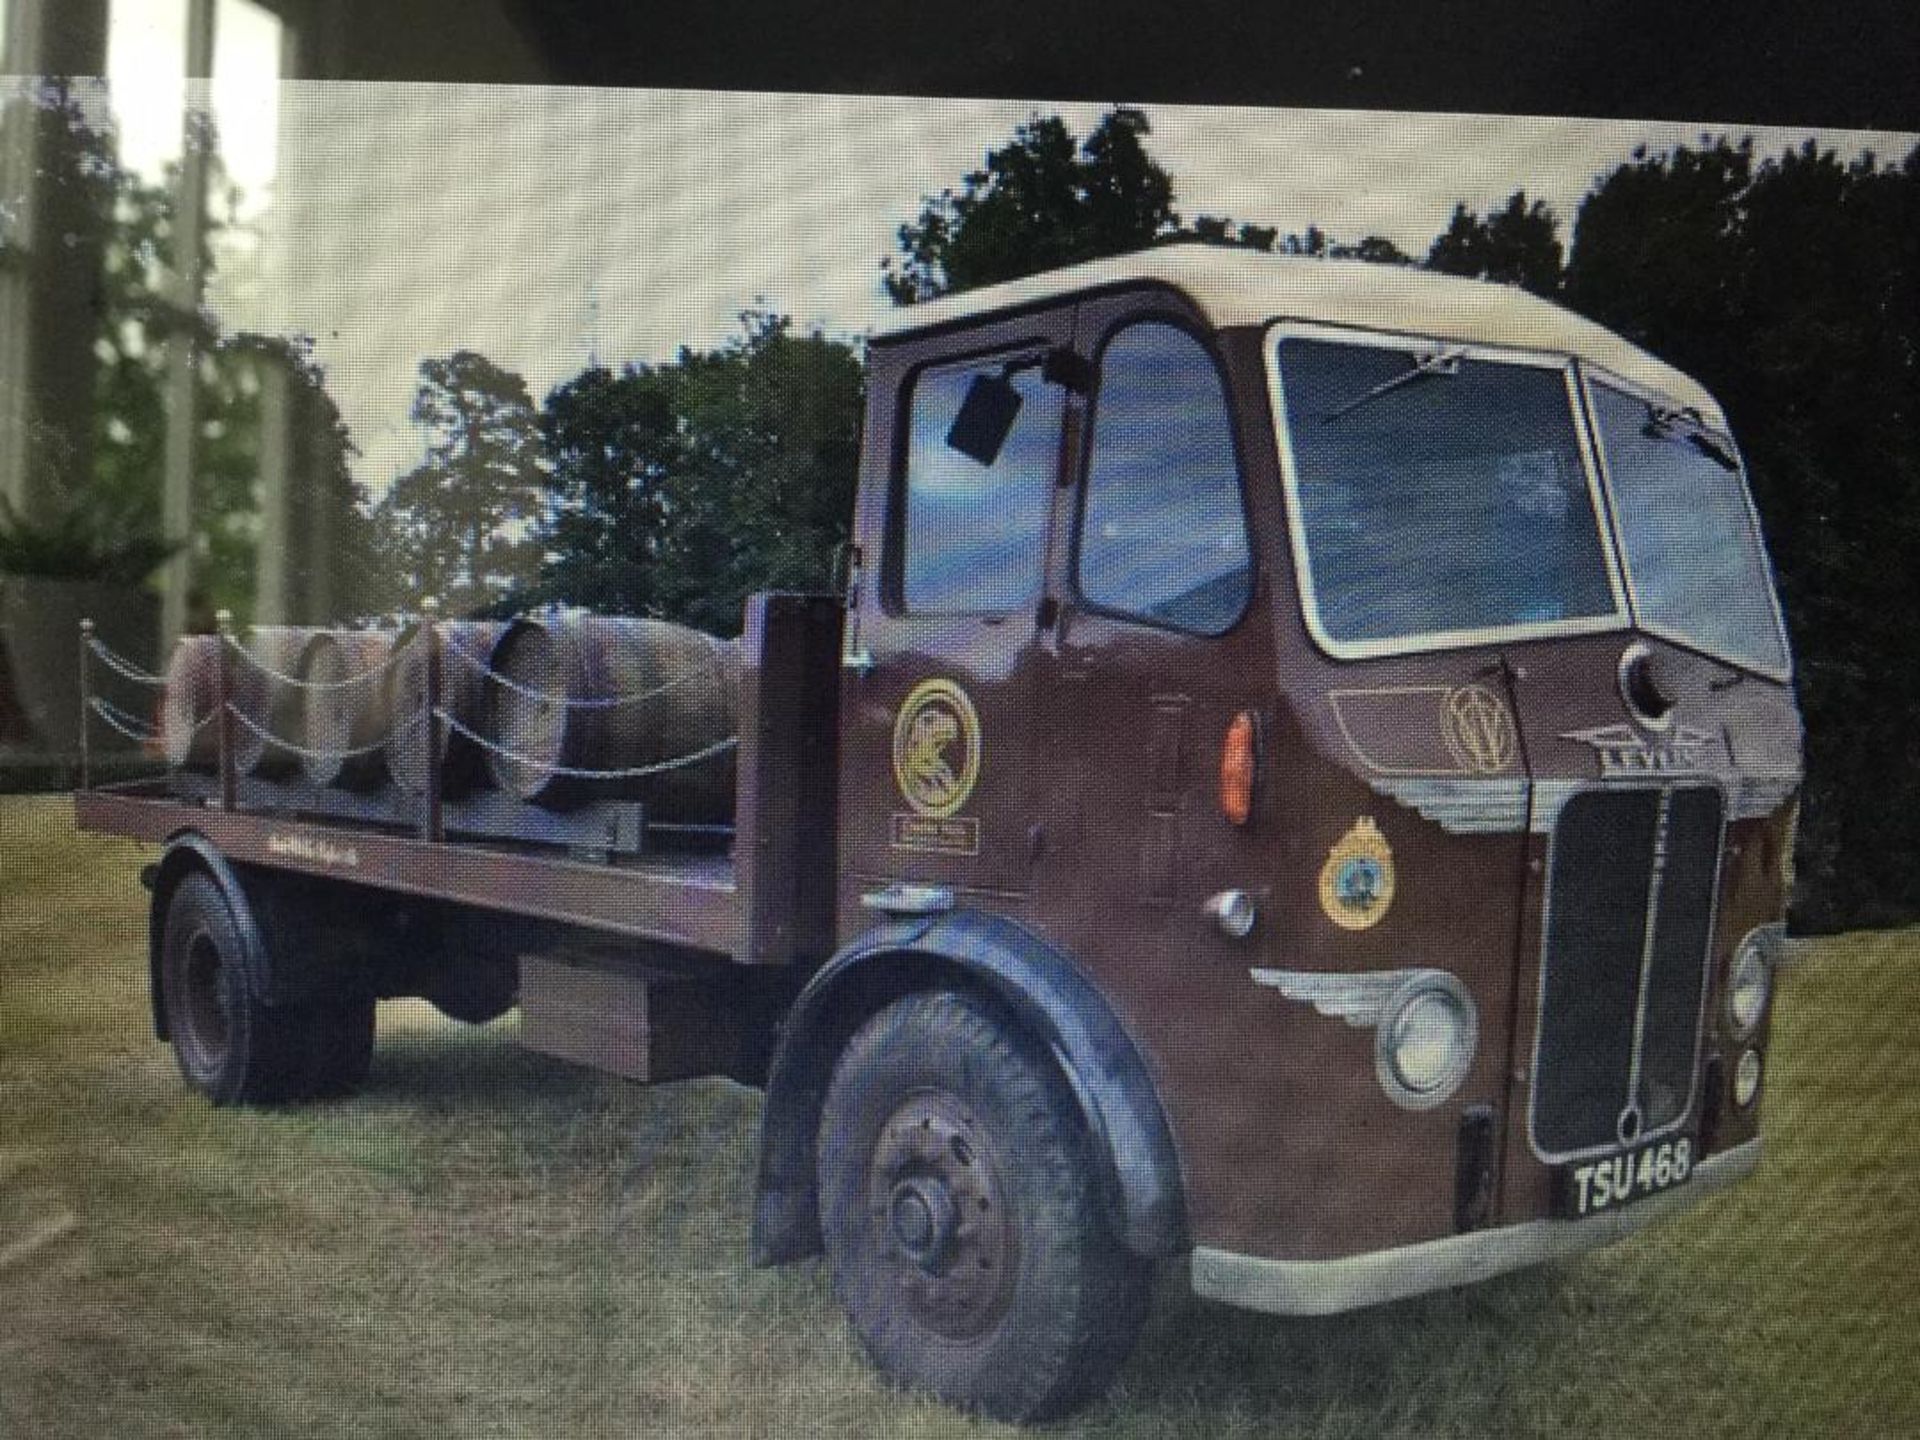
961 1217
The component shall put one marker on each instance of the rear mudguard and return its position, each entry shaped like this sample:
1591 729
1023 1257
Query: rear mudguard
186 853
1043 991
287 957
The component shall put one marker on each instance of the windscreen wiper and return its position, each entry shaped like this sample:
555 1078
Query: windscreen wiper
1438 362
1661 424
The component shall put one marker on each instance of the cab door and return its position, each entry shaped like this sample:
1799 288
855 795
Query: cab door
1158 644
941 651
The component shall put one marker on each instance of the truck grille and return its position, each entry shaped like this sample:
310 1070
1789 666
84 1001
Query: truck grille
1631 883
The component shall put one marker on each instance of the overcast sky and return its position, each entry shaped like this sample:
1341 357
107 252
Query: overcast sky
547 226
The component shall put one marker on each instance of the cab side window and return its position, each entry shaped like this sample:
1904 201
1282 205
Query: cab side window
973 535
1163 533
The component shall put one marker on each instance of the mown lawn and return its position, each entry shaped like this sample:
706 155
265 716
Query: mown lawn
489 1243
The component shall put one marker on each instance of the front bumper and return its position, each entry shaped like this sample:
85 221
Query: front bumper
1327 1287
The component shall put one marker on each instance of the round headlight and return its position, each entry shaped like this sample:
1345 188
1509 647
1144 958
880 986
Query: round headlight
1426 1041
1746 1078
1748 984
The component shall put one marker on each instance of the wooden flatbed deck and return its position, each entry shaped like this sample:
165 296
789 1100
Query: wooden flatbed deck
691 900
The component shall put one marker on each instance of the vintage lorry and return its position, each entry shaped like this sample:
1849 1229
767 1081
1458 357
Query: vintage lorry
1301 781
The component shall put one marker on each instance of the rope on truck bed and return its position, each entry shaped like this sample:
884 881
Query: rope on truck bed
126 722
341 752
122 667
134 728
574 772
484 669
359 677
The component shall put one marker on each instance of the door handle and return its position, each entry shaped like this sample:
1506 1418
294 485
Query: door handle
859 660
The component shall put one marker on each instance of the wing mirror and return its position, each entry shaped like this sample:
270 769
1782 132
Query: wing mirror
986 418
993 403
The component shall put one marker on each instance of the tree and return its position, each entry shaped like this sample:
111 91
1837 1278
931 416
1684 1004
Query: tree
1518 244
1656 249
677 490
461 521
131 224
1040 202
613 443
1791 288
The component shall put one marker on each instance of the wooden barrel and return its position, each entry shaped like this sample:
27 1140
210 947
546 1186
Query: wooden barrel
189 734
342 708
269 703
675 693
466 651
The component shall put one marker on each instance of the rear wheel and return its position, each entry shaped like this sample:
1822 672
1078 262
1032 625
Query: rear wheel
962 1224
233 1047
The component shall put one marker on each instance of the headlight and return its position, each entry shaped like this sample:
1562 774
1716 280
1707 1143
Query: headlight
1749 982
1426 1040
1746 1078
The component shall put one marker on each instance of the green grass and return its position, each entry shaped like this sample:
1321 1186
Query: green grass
488 1243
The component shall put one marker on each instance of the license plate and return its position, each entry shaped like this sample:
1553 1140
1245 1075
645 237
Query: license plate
1615 1180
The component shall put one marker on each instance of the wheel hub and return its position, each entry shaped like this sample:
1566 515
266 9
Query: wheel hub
206 1005
940 1218
924 1220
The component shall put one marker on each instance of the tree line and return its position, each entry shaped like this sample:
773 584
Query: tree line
1789 284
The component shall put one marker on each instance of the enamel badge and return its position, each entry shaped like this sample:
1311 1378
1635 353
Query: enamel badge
1356 883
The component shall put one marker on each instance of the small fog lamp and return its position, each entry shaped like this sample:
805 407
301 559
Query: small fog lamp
1426 1041
1746 1078
1748 983
1234 912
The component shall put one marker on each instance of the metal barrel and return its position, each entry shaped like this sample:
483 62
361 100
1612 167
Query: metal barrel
674 692
189 736
466 651
344 709
267 703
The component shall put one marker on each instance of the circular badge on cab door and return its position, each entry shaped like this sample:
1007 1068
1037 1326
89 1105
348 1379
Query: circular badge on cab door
936 748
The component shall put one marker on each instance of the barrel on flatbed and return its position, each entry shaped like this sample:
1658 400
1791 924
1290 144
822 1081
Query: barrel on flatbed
189 734
575 692
343 716
265 699
466 649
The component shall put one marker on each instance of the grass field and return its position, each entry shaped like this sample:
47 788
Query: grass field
488 1243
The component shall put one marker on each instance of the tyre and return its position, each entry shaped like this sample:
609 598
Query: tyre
231 1046
961 1215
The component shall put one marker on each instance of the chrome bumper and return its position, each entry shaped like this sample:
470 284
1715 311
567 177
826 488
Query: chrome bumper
1327 1287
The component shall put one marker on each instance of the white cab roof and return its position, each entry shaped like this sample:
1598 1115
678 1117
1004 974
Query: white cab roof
1245 287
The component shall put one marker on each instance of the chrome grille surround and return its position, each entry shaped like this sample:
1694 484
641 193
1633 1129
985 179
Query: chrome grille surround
1590 1047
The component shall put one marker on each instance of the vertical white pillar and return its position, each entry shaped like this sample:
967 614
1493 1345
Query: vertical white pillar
183 419
278 569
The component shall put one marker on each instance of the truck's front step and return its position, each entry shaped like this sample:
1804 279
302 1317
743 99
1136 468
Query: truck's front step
645 1026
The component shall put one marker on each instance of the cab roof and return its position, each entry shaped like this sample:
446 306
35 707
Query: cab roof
1235 287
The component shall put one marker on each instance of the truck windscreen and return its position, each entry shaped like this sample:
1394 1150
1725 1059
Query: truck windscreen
1439 497
1697 572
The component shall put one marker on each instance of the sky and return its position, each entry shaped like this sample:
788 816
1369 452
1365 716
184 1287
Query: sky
547 227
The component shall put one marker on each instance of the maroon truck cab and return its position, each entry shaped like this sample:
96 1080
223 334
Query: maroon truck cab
1468 593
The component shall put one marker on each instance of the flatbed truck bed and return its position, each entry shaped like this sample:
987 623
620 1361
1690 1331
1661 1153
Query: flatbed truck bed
688 899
